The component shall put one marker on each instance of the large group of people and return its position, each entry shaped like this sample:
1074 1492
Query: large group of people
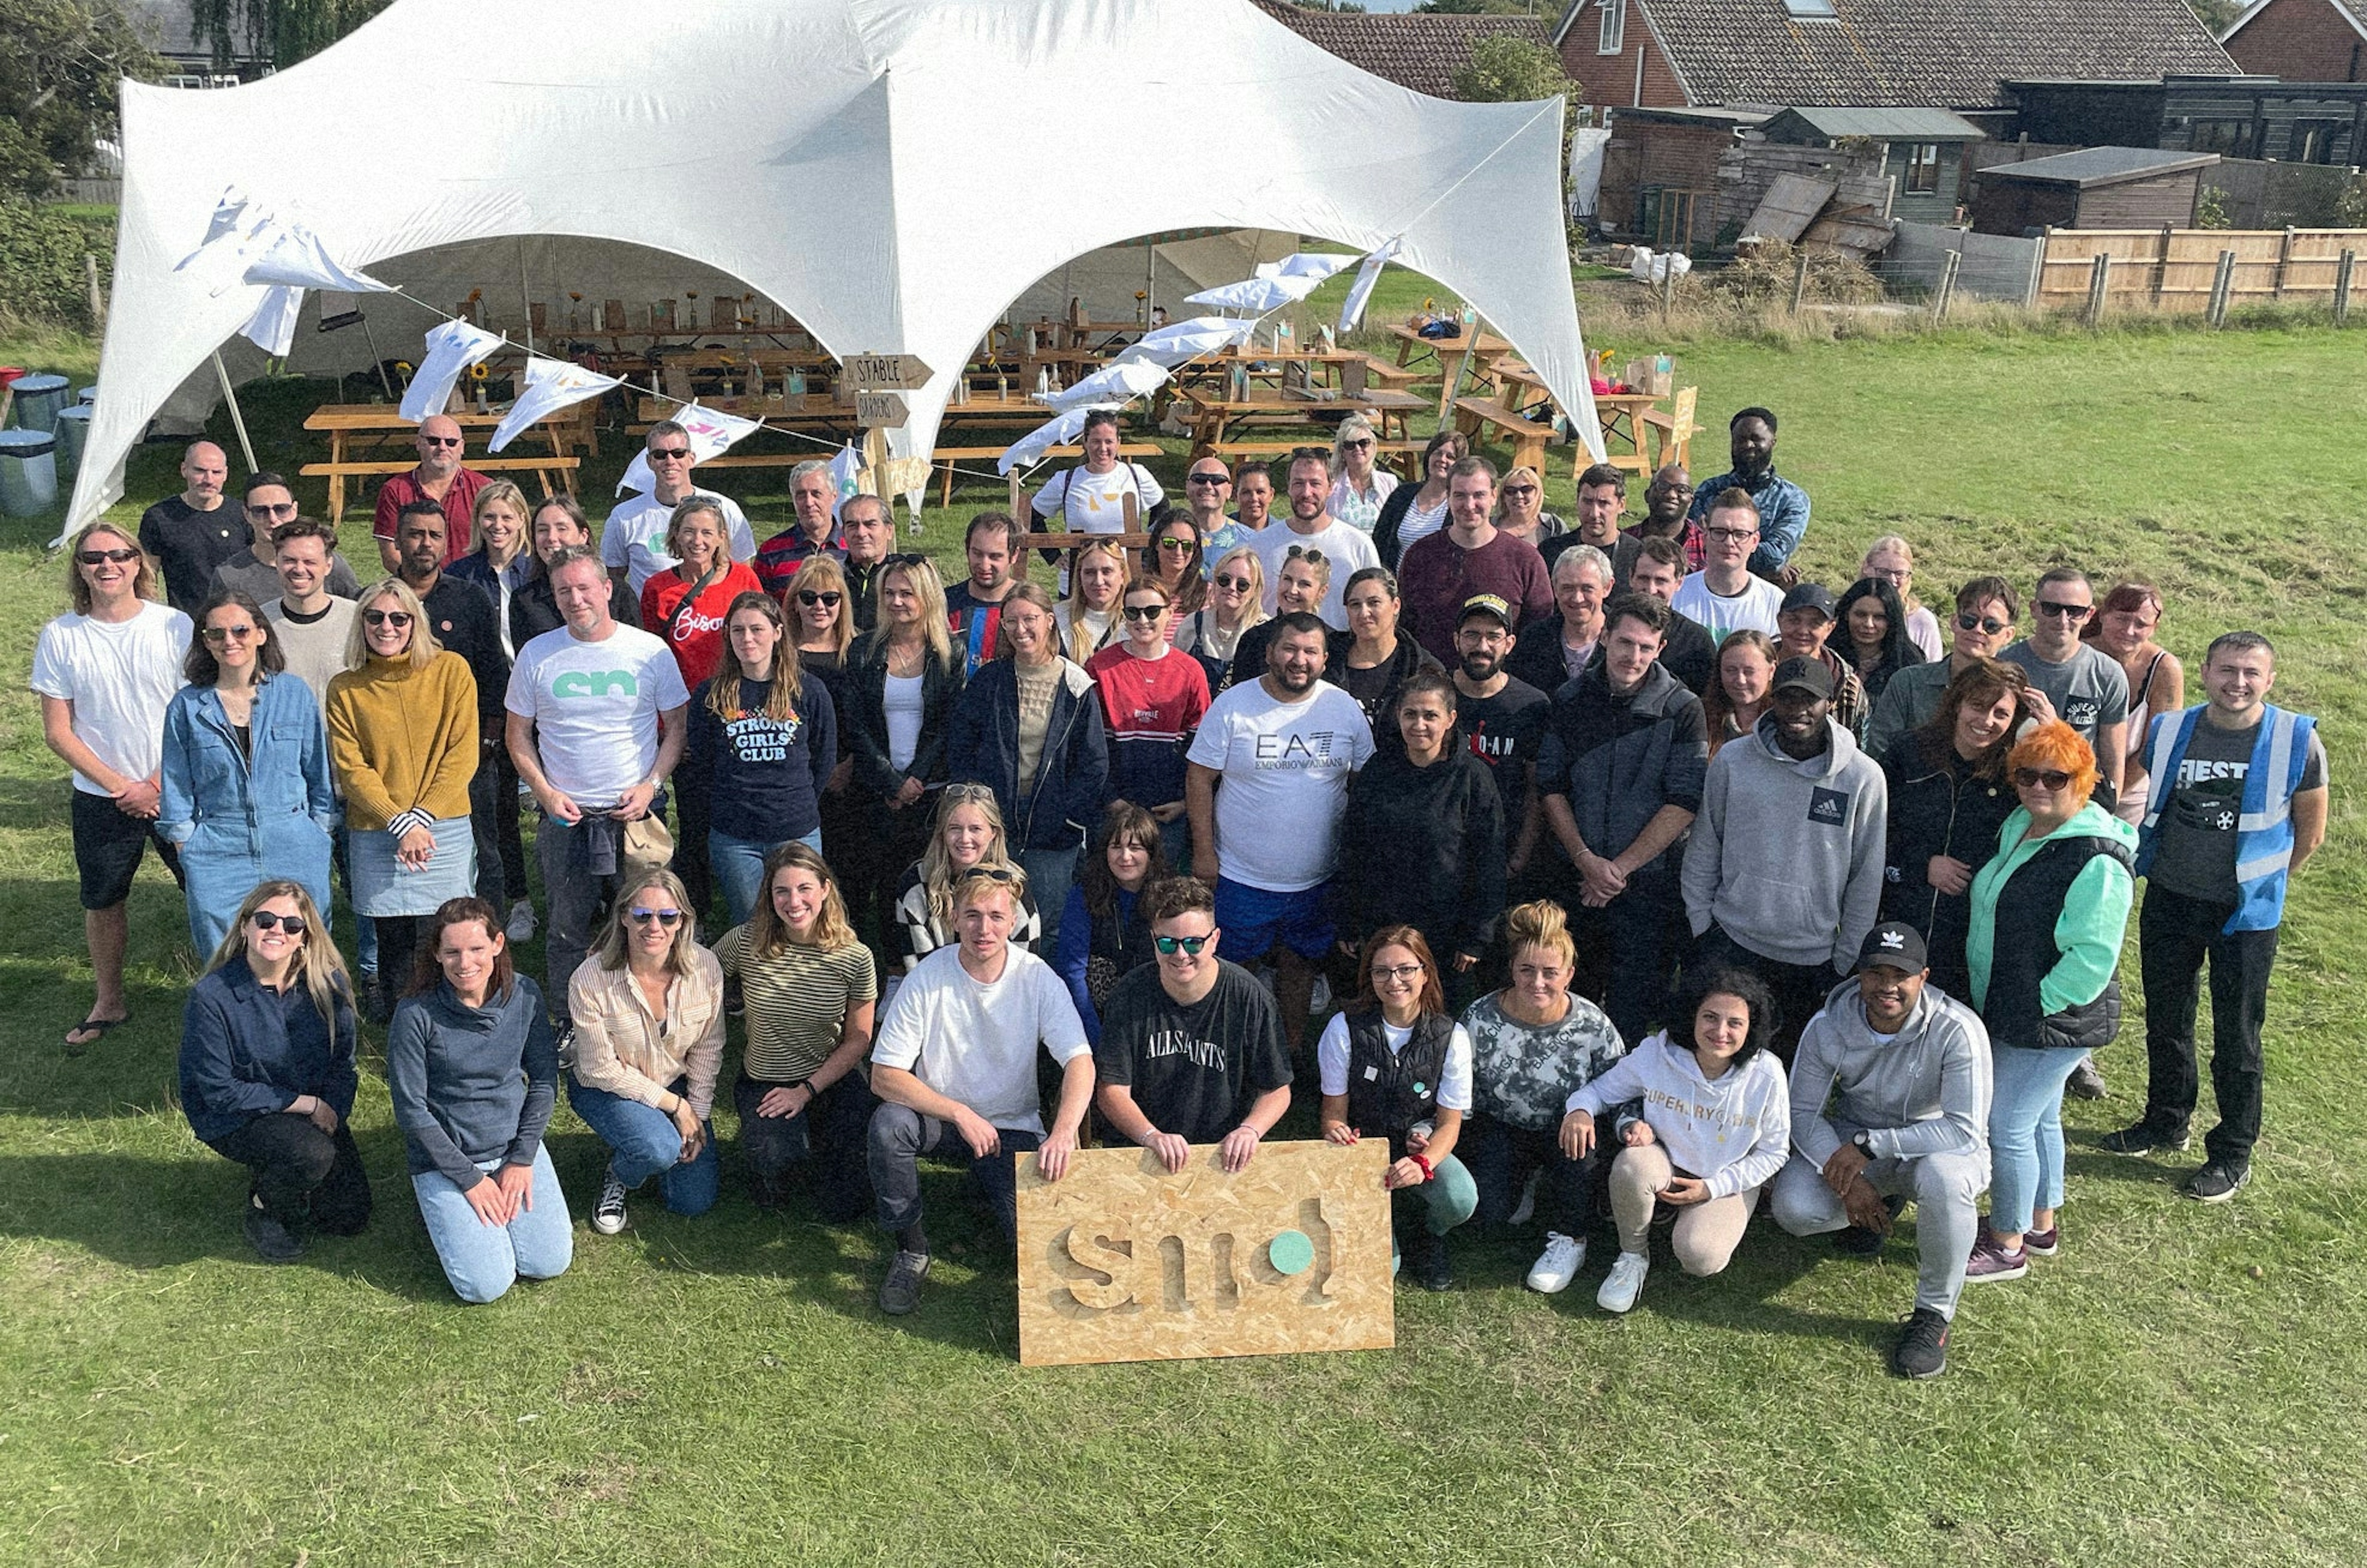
1642 891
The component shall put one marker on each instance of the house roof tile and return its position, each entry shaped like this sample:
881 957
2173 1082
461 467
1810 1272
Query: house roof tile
1422 51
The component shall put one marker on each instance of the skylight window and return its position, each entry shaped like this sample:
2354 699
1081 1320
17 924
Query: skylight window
1809 9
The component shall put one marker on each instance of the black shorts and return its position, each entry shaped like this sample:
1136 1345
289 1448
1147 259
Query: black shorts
108 846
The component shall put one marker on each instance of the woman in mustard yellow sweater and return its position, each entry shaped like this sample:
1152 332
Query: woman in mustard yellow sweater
403 739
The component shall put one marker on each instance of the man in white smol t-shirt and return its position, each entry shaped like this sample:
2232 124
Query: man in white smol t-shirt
632 542
1724 596
955 1070
596 724
1266 780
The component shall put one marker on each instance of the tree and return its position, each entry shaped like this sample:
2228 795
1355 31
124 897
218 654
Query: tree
1504 69
282 31
60 61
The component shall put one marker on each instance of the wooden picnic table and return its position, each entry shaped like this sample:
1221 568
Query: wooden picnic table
1215 413
368 425
1486 345
1620 415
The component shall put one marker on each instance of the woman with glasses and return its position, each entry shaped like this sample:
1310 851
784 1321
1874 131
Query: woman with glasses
1739 696
766 741
1152 699
1416 511
2043 947
1234 602
1949 796
1029 727
473 1072
1172 561
502 563
266 1071
1395 1065
403 733
2123 627
1520 509
1104 936
1871 625
1892 559
809 988
1358 493
648 1044
901 682
245 790
1089 616
1376 662
969 838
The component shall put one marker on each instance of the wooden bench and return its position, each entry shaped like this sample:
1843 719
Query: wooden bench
1526 436
1673 432
338 473
1404 457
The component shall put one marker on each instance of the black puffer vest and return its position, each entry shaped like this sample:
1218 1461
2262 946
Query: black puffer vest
2023 950
1388 1092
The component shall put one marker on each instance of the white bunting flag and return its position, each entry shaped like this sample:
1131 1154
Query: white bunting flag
1129 377
451 349
1317 265
847 473
1180 341
1257 294
296 258
1360 292
272 328
712 432
550 385
1059 432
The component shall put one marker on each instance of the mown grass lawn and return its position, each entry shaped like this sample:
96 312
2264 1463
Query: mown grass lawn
2180 1387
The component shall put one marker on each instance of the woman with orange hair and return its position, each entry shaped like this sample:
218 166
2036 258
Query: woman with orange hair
2048 916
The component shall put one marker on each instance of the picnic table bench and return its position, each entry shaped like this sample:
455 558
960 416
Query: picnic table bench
1215 415
370 423
1474 416
1403 455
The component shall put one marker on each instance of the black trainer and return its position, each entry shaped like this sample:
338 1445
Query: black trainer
2217 1182
899 1292
1426 1260
1922 1347
273 1242
2145 1138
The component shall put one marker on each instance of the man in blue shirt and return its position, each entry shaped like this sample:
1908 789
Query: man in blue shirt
1783 505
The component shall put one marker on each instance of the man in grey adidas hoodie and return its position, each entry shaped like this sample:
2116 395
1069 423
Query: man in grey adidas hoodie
1890 1104
1782 877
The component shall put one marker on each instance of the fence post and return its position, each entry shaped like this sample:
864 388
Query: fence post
2284 260
1799 281
2098 278
1947 285
2161 264
2222 284
2038 268
97 301
2342 287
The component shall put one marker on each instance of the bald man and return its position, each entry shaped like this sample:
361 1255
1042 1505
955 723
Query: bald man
438 478
191 534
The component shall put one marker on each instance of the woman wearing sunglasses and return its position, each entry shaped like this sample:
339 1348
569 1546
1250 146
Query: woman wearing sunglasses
2045 942
1152 699
648 1011
1234 602
1395 1065
765 742
1028 727
1520 510
1358 493
403 733
245 782
266 1071
1172 559
822 622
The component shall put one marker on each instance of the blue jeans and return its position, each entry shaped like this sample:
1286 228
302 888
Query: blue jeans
1049 872
739 868
482 1261
899 1136
642 1142
2026 1132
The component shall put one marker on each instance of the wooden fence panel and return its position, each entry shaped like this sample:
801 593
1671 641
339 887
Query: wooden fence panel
2173 269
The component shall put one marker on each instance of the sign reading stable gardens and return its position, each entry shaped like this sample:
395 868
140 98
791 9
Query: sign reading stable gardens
1119 1261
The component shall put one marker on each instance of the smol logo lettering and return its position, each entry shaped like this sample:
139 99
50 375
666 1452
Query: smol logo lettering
1828 806
1171 1261
595 684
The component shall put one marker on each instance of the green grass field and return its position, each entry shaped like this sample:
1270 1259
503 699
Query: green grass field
2179 1387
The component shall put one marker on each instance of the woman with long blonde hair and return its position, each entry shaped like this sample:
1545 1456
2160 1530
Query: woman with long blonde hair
969 838
1089 616
901 682
1234 602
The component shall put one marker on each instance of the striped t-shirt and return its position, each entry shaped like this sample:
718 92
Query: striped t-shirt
795 1002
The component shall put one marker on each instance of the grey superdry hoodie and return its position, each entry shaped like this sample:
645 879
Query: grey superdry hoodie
1924 1091
1786 856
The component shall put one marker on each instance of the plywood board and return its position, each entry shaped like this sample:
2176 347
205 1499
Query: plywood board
1790 205
1120 1261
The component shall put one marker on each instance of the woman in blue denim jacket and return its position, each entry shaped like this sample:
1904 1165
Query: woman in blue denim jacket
246 791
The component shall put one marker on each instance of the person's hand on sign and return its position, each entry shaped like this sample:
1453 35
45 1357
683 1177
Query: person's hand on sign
1339 1133
1052 1158
1239 1146
1172 1149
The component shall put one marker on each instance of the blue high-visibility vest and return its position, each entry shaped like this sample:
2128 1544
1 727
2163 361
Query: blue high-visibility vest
2264 831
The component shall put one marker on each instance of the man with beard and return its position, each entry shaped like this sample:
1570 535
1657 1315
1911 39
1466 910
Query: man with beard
255 571
189 533
1666 501
974 605
1783 505
1311 525
1602 502
1502 717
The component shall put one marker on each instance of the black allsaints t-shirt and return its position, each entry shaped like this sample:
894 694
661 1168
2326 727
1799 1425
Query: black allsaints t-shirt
2196 854
1194 1071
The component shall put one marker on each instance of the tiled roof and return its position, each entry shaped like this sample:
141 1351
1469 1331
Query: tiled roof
1421 52
1934 53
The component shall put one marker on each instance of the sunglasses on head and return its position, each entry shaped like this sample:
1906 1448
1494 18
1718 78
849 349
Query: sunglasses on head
820 596
93 557
666 917
272 920
1987 624
1168 946
2052 778
907 557
223 634
398 619
1304 552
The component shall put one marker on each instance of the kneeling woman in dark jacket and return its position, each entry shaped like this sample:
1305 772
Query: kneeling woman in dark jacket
2048 916
1102 934
1395 1065
1421 843
1029 727
268 1073
473 1069
1949 796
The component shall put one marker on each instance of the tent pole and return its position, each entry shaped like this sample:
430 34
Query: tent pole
525 300
377 362
237 419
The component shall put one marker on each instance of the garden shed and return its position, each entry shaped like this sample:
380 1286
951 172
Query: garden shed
2095 187
1922 149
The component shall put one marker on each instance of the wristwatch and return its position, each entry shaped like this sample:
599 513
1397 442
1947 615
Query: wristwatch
1863 1143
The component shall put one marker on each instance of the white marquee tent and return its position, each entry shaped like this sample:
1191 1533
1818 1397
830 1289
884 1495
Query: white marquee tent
892 173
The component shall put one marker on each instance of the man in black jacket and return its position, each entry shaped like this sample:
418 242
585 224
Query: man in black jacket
1552 652
1620 776
1688 652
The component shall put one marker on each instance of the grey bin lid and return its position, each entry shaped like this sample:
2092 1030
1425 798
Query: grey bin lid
25 443
41 382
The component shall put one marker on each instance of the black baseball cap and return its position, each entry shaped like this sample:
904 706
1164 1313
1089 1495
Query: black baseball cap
1807 674
1488 604
1811 596
1896 945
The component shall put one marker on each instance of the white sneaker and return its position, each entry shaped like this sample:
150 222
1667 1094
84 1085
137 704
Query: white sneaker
1526 1210
1625 1284
608 1215
1559 1264
521 926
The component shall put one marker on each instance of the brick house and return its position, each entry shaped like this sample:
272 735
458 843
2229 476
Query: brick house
1418 51
2301 40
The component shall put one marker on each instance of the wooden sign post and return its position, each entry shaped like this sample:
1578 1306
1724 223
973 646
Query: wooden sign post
875 379
1119 1261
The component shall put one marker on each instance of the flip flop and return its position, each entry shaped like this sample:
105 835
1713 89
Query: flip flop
96 1028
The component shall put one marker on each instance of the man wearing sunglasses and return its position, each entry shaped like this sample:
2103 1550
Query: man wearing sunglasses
190 534
255 571
813 496
974 605
1191 1049
2073 680
440 478
633 541
1207 486
1981 628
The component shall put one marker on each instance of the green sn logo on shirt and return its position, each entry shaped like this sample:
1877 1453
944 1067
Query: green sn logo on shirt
595 684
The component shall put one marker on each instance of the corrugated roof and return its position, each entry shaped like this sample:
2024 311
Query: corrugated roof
1419 51
1888 124
2099 165
1928 54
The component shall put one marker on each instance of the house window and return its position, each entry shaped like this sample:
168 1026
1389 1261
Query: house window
2230 138
1810 8
2313 140
1922 167
1612 36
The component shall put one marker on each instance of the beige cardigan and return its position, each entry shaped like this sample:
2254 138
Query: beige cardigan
619 1047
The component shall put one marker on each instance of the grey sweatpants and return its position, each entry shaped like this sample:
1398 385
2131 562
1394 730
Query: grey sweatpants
1945 1190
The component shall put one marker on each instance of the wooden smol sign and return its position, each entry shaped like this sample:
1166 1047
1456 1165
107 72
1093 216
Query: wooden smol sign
1120 1261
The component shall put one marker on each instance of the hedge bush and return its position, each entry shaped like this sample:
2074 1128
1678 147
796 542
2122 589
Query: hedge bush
41 263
